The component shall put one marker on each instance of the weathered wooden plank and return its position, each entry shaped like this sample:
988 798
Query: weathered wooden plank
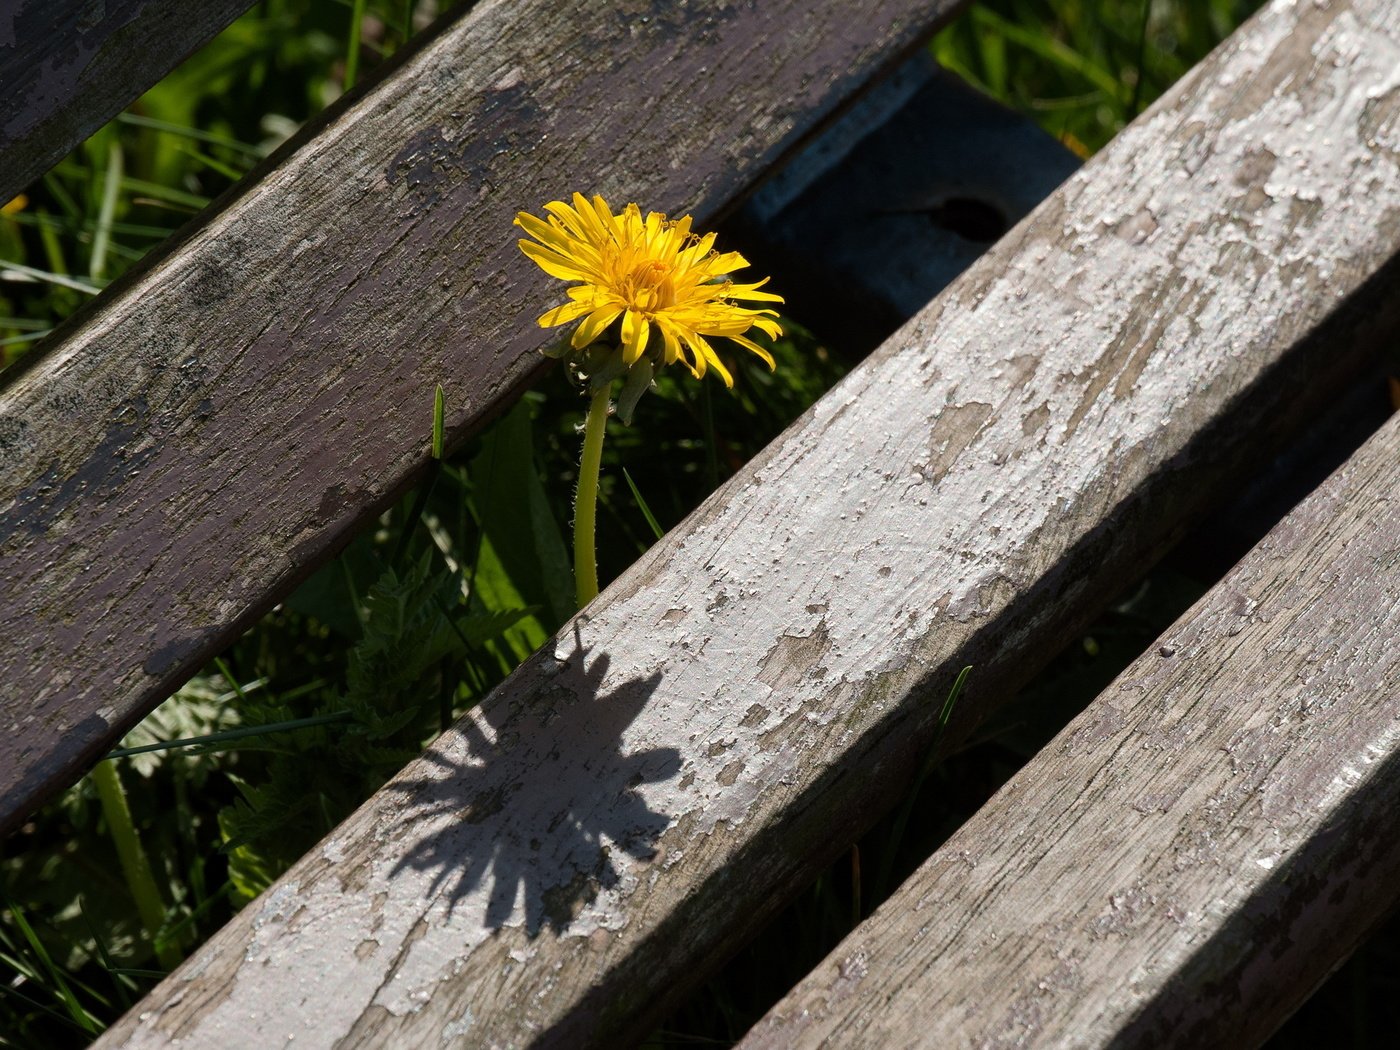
644 791
69 66
1194 853
193 445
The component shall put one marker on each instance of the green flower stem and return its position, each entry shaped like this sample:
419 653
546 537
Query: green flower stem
586 500
133 859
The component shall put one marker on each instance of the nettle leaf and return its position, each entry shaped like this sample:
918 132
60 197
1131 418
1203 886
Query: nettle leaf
262 813
317 775
407 636
374 727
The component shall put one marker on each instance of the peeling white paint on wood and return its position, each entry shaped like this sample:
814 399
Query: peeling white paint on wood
1194 853
643 791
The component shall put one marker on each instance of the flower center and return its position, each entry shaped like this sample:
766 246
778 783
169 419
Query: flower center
651 286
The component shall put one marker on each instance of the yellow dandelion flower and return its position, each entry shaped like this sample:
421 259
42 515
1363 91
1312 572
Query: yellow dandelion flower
655 275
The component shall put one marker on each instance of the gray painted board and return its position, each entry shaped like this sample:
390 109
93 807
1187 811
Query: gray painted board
1194 853
629 805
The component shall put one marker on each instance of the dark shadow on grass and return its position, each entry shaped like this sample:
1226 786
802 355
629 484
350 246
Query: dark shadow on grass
541 811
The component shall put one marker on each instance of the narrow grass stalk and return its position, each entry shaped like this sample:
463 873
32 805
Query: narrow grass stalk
711 445
29 337
352 52
64 993
135 867
168 194
199 135
642 505
425 490
102 237
1135 103
227 170
210 739
49 278
586 500
855 885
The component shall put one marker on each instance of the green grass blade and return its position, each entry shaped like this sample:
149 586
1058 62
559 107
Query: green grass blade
53 251
213 163
188 922
231 734
352 54
153 190
54 185
102 236
168 194
136 120
34 1004
128 971
529 550
230 679
49 278
105 957
28 337
907 809
1135 102
642 504
437 422
75 1009
1053 51
711 442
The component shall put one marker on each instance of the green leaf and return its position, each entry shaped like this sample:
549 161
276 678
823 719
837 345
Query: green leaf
494 591
639 378
487 627
437 422
524 560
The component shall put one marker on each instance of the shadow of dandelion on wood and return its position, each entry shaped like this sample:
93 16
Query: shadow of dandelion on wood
541 802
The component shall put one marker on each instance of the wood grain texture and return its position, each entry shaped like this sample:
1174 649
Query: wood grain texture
642 793
69 66
1194 853
215 426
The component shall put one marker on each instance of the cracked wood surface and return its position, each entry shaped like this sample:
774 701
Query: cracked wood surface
69 66
216 424
1194 853
641 794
